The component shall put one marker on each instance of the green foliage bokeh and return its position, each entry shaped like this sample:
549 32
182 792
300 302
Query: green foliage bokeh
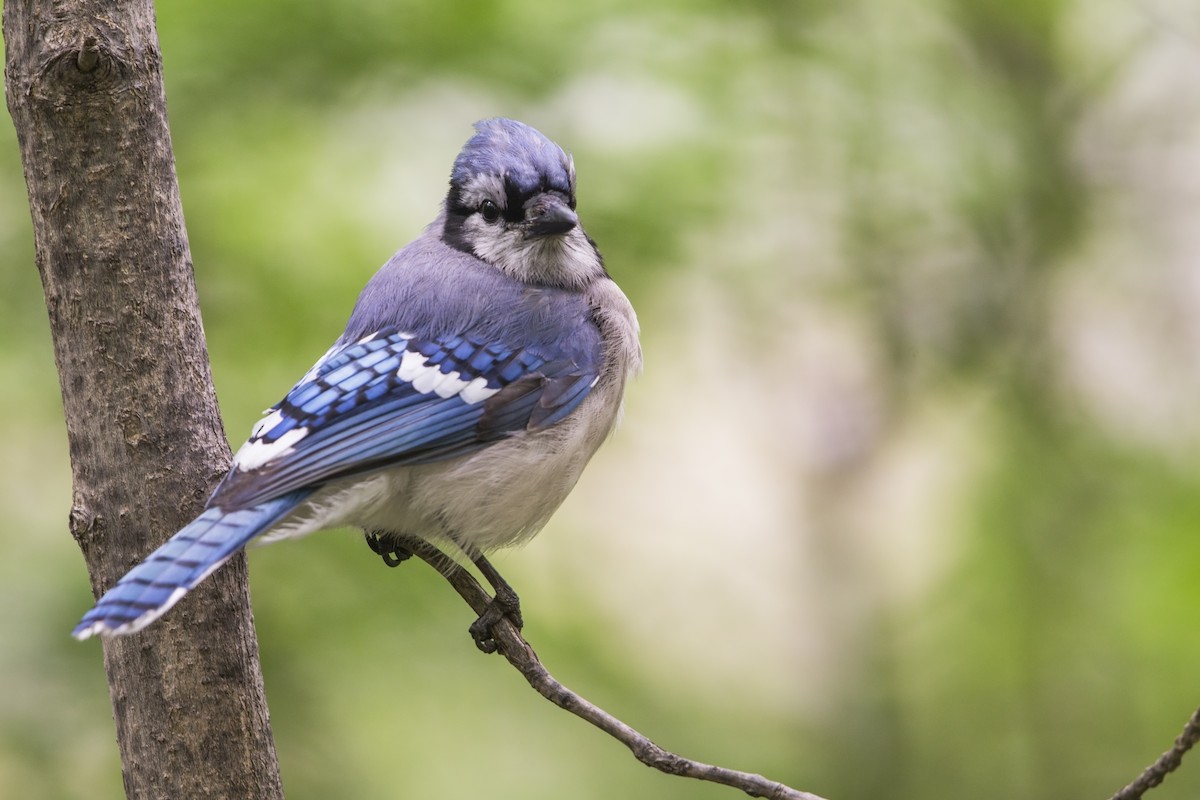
905 504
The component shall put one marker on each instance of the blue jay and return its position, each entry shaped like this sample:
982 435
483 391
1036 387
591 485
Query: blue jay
481 368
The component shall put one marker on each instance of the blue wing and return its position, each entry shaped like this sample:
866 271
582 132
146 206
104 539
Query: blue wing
393 398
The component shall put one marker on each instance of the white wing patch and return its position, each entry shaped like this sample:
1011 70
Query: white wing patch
425 378
257 453
273 418
411 365
476 391
450 385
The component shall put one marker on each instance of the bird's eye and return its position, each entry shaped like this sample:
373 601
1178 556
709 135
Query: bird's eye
571 203
489 210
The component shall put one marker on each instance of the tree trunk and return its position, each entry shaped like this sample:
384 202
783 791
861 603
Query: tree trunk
84 86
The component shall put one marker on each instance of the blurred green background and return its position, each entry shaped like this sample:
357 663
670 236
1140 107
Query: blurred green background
906 503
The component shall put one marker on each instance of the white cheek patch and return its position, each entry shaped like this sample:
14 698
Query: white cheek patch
257 453
568 260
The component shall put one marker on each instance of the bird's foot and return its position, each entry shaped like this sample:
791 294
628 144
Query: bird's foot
389 548
505 605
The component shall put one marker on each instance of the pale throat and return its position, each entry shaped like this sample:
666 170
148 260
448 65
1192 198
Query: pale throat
569 260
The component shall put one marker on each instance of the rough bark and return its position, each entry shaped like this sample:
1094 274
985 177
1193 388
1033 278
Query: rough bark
84 87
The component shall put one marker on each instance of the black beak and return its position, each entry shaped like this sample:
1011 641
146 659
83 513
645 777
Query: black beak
549 215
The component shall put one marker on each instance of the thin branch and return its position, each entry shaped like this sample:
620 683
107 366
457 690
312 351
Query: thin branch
1167 763
518 652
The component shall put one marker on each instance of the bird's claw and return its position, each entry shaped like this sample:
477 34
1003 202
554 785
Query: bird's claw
389 549
505 605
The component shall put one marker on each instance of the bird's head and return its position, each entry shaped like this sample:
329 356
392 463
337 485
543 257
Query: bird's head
512 204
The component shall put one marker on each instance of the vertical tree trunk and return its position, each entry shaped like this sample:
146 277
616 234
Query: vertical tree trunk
84 87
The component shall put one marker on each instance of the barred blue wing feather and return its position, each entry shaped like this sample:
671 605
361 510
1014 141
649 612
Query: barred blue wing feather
150 589
393 399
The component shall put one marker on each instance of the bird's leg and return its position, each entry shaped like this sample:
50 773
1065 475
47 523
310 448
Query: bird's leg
505 603
391 548
396 548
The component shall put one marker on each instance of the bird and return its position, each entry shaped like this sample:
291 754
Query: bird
481 368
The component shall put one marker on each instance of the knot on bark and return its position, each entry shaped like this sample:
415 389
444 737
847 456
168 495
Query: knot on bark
83 64
89 55
82 522
89 63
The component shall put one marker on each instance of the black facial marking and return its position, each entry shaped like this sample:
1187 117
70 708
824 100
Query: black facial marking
514 208
454 232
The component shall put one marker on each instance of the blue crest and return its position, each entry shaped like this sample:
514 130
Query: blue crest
525 158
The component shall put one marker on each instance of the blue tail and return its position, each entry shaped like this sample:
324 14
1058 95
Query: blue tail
148 590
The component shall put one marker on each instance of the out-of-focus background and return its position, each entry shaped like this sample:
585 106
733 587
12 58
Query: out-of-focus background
907 502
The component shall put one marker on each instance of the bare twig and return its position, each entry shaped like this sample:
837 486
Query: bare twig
1167 763
518 652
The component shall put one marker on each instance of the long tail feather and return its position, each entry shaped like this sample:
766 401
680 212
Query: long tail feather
148 590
